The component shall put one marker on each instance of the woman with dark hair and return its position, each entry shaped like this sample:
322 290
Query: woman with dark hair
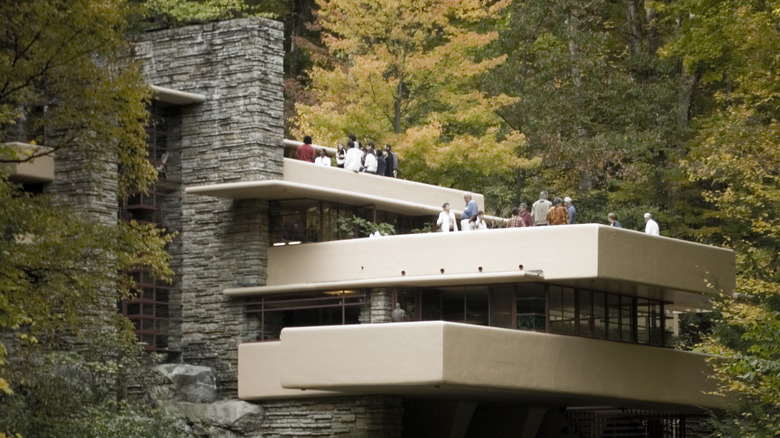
341 153
323 159
371 161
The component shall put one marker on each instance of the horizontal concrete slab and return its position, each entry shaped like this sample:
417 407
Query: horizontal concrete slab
438 358
587 256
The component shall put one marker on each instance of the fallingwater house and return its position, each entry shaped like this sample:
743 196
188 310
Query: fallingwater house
546 331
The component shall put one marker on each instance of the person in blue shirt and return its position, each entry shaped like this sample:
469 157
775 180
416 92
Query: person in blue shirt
469 211
613 222
570 209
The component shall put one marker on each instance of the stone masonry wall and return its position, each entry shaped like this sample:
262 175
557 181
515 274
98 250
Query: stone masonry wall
369 416
235 135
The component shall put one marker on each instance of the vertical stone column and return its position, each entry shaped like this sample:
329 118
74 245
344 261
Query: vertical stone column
235 135
381 305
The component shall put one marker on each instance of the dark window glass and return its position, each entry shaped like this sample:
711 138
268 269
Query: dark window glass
599 315
613 317
502 299
477 306
627 323
431 305
585 311
531 307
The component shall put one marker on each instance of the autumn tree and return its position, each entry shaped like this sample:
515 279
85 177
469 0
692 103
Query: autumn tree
732 48
409 73
67 82
596 103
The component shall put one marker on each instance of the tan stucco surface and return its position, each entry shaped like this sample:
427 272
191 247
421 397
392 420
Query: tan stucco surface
38 170
448 359
587 255
307 180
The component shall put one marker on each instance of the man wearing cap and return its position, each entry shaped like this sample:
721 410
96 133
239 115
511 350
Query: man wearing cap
570 209
651 226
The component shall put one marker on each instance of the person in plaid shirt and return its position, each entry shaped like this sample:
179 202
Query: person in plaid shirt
515 221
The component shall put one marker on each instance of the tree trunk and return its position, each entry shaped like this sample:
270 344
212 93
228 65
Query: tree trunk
687 88
397 108
634 24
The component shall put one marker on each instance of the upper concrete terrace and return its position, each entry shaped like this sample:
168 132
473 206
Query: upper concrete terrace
303 180
586 255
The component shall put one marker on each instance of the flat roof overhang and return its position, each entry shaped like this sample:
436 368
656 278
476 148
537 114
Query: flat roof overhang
37 170
443 359
302 180
587 256
176 97
402 281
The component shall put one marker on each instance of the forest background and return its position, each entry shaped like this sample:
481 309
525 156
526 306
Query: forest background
626 106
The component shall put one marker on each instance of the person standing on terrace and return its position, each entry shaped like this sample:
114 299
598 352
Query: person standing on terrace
305 151
391 162
323 159
558 214
470 210
340 155
651 226
380 162
370 161
540 208
515 221
446 221
528 221
570 209
353 157
613 222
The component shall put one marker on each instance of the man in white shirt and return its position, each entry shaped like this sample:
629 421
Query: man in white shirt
651 226
540 209
446 221
353 157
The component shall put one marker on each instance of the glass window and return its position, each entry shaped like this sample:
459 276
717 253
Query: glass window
477 306
585 313
409 299
502 298
562 310
307 220
627 320
613 317
303 310
531 307
599 315
431 304
453 306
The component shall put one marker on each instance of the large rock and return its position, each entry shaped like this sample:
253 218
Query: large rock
233 415
185 383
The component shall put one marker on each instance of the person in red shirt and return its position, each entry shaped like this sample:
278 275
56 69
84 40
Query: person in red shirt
528 221
306 150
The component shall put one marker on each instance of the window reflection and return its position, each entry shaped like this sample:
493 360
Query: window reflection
522 306
307 220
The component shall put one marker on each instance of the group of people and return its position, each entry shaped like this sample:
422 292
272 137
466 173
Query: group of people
354 157
472 219
542 213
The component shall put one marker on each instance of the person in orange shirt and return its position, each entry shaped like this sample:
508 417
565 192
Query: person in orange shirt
558 214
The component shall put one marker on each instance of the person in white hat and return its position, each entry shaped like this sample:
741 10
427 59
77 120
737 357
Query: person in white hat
651 226
570 209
